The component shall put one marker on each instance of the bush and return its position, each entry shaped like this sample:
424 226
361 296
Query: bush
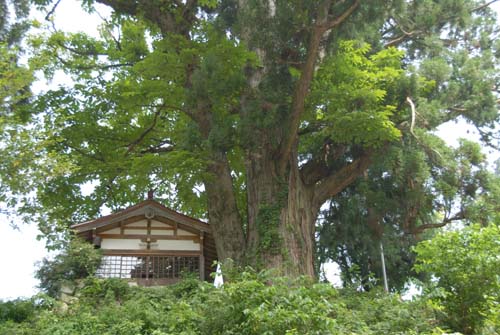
465 269
254 303
79 260
18 310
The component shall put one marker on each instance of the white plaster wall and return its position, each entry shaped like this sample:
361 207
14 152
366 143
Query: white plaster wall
140 223
112 231
136 244
162 232
178 245
155 223
185 233
111 243
135 231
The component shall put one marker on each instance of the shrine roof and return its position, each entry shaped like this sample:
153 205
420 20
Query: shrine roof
149 209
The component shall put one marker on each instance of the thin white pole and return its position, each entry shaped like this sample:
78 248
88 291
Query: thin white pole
386 286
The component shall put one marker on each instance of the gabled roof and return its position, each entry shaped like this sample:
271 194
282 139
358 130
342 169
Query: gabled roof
144 208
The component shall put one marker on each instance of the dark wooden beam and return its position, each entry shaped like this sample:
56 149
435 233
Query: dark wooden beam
150 236
123 252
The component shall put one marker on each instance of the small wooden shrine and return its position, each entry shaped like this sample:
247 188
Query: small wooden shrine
150 244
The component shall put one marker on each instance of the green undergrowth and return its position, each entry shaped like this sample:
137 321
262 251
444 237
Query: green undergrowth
253 304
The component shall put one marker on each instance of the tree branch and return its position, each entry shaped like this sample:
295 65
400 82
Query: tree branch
49 14
313 171
311 128
401 38
90 52
421 228
153 11
336 182
91 67
83 153
126 7
406 35
133 144
157 150
487 4
413 113
317 169
334 23
307 73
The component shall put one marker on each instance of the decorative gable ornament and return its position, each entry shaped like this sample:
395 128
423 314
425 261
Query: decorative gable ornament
149 212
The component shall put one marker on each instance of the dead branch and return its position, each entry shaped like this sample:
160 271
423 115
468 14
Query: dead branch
51 12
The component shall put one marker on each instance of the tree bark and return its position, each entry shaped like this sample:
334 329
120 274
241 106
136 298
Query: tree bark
281 216
223 212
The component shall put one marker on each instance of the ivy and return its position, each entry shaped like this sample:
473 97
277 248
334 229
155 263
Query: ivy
268 222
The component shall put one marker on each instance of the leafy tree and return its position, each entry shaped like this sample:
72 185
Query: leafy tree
466 269
256 125
410 189
77 261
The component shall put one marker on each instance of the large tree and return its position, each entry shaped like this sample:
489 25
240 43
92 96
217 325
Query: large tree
404 193
254 112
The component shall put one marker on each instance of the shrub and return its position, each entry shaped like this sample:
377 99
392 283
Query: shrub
79 260
18 310
254 303
465 267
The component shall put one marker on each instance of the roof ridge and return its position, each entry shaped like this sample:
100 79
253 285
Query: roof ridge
132 208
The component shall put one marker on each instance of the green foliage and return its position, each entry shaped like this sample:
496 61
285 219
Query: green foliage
252 304
96 291
350 95
413 186
16 315
77 261
465 271
14 87
170 89
18 310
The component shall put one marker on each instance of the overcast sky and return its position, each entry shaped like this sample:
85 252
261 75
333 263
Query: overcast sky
19 249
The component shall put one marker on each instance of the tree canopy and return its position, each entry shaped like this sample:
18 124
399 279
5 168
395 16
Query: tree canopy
253 114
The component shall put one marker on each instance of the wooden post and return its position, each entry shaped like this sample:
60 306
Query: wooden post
202 258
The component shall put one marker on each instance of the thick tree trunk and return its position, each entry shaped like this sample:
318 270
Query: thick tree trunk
298 220
282 208
281 217
223 212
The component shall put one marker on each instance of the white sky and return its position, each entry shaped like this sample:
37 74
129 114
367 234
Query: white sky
19 249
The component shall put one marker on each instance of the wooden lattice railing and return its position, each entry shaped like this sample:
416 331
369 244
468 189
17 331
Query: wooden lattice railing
147 267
